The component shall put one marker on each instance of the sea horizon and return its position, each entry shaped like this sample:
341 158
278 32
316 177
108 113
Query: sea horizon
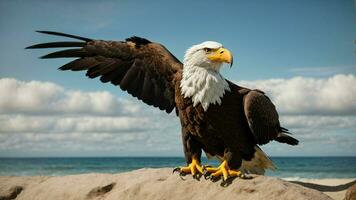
288 167
321 156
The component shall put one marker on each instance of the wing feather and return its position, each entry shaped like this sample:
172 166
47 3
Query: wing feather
127 81
65 35
68 53
144 69
57 45
262 116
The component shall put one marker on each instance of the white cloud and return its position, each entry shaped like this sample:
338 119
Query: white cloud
335 95
44 98
68 124
42 118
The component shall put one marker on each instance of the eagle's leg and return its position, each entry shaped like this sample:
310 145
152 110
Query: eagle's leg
192 152
228 168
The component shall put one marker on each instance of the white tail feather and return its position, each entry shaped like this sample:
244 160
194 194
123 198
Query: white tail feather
258 164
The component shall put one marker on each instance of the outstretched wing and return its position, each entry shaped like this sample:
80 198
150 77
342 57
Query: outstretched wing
262 117
142 68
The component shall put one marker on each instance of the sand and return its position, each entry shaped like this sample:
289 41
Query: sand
162 184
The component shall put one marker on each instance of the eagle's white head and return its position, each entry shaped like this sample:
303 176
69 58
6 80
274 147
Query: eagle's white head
209 55
201 79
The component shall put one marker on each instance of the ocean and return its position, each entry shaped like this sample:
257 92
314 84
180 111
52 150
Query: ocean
292 168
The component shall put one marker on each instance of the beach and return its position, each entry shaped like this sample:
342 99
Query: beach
160 183
335 188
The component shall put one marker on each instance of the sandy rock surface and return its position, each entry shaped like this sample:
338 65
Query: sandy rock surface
149 184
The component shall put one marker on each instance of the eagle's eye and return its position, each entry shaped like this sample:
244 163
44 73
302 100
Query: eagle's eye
207 50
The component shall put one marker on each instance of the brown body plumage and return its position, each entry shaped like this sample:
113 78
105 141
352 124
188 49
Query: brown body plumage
230 130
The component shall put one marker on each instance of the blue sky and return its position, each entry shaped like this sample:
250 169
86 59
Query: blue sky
269 39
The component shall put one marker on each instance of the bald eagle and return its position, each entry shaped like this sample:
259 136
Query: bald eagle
223 119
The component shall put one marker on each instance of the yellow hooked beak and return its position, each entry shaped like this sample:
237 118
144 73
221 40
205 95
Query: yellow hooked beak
221 55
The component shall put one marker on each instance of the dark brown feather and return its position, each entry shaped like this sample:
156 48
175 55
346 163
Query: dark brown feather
136 84
65 35
262 116
146 89
68 53
57 45
119 73
127 81
80 64
97 68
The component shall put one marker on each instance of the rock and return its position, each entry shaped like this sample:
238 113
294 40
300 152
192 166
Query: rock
11 193
99 191
155 184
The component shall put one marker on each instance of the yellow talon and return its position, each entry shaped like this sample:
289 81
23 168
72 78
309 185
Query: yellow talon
193 168
223 170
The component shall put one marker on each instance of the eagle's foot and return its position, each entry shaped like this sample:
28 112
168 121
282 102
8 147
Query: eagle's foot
224 171
193 168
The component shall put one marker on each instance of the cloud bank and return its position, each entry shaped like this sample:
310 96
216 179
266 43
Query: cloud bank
43 118
335 95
